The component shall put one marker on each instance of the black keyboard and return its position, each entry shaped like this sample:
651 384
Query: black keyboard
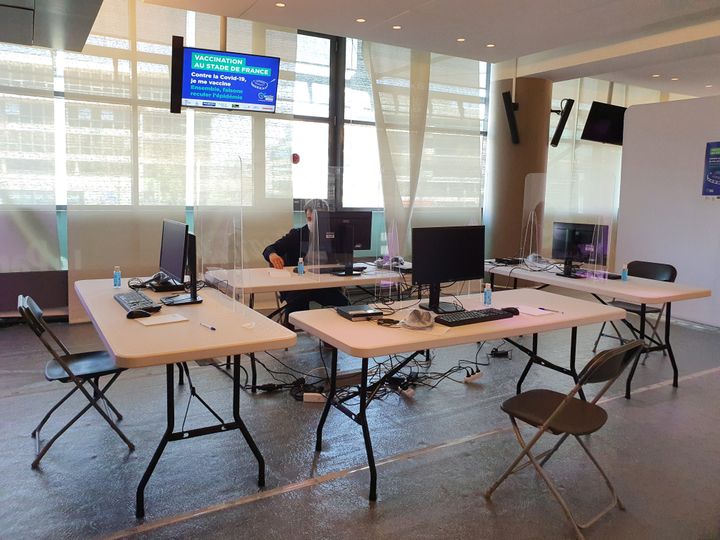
136 300
471 317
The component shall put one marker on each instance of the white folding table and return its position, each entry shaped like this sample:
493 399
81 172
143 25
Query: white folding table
635 290
264 280
219 326
367 339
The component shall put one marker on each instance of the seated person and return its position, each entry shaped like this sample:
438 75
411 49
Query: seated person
287 250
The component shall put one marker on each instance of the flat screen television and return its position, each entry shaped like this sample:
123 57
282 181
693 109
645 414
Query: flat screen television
211 79
604 123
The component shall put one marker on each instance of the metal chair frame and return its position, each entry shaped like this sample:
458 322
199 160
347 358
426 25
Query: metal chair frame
593 372
32 315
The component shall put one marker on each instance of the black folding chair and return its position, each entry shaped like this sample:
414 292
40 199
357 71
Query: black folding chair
560 414
80 369
648 270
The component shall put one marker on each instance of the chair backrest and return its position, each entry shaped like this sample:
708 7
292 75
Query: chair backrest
652 270
607 366
33 317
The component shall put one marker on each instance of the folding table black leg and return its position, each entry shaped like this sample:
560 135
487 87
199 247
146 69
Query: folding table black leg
253 373
573 351
628 383
518 387
241 425
328 401
669 347
140 494
362 418
181 379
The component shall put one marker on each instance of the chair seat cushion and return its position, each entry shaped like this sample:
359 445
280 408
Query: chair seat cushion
535 407
84 365
633 308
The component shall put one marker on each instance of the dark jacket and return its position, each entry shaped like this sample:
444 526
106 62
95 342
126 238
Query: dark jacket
290 247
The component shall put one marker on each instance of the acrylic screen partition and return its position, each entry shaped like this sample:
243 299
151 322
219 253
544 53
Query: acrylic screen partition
101 237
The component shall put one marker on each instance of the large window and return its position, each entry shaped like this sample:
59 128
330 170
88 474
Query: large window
93 128
454 123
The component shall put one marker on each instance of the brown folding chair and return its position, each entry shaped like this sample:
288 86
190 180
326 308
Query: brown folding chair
560 414
80 369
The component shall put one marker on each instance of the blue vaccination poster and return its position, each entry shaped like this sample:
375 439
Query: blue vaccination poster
711 179
227 80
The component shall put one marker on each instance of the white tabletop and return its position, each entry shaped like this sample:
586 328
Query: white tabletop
257 280
367 339
238 329
636 290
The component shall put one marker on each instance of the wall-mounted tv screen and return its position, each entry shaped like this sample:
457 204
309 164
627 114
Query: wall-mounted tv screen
206 78
604 123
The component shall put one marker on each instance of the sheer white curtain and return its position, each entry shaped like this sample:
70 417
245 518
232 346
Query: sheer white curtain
428 116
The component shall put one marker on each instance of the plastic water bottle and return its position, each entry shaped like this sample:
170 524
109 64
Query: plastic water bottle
117 278
624 273
487 295
301 266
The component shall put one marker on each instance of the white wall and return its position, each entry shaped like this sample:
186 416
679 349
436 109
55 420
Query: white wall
662 215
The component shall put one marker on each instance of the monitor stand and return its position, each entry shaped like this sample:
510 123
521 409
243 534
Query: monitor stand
181 299
435 305
166 285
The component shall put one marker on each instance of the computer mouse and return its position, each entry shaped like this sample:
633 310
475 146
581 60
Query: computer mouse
137 314
511 310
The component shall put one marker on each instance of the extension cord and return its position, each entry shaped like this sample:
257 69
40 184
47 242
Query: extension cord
473 377
313 397
408 392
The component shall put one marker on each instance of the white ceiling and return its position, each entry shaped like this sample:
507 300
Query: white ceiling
623 40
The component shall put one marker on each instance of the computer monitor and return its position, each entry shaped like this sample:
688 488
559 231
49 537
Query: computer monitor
580 242
341 233
444 254
360 222
178 252
172 258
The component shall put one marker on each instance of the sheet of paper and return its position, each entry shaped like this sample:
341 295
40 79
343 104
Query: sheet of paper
277 273
161 319
535 311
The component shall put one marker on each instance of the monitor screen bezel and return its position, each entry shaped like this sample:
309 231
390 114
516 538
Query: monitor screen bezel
470 271
561 253
171 227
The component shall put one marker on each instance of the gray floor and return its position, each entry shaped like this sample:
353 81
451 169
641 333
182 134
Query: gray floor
437 452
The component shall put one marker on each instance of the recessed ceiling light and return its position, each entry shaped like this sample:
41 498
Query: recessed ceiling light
490 45
674 78
397 27
360 20
460 39
708 86
279 4
655 76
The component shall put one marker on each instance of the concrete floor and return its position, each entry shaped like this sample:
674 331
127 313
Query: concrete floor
437 453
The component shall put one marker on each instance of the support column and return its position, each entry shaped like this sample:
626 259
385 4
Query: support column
509 163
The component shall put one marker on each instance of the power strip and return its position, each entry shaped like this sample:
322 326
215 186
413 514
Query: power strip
473 377
313 397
